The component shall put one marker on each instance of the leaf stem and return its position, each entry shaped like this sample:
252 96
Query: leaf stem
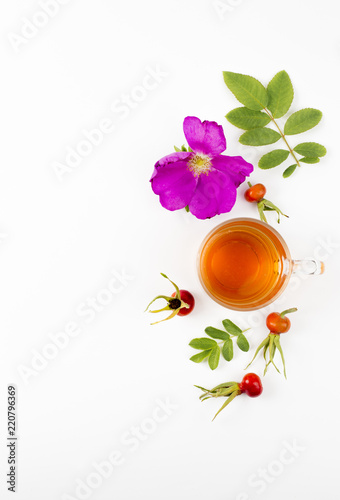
231 335
283 136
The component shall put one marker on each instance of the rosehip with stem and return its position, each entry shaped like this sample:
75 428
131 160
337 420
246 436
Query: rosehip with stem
250 385
181 302
256 194
277 323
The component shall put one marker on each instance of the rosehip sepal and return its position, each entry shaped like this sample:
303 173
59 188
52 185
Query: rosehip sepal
181 302
250 385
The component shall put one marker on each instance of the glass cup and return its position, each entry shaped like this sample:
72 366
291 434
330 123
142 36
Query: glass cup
244 264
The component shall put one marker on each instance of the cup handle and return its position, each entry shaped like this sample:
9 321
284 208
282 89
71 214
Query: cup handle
308 266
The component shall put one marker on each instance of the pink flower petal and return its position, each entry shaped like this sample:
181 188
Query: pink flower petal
174 184
171 158
204 137
215 194
235 166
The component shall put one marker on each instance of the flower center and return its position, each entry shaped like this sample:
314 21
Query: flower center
199 164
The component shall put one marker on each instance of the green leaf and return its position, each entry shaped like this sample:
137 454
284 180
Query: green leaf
249 91
247 119
197 358
310 149
273 159
216 334
203 343
187 208
214 357
243 343
302 120
228 350
259 137
280 94
310 160
231 327
177 149
289 171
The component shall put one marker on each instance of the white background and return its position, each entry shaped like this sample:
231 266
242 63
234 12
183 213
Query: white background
61 240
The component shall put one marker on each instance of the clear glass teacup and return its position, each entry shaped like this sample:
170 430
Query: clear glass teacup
244 264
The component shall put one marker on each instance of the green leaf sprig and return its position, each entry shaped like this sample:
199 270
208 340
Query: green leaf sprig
212 349
263 106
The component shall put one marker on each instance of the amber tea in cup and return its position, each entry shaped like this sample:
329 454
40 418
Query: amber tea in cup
245 264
